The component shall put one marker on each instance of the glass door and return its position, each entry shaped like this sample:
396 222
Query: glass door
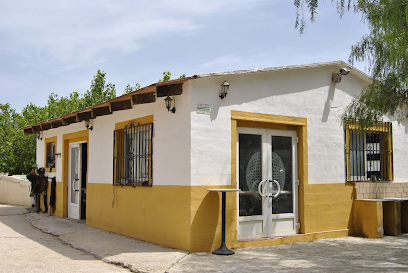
74 181
267 203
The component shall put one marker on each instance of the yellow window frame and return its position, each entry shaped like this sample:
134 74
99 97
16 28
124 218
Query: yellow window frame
118 164
47 165
385 129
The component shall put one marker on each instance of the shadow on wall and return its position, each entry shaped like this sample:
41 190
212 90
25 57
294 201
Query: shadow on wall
330 97
204 225
273 88
405 124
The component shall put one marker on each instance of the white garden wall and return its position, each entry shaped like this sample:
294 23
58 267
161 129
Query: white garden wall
15 191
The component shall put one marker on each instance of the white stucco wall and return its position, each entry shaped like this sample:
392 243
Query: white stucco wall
58 132
171 142
195 149
400 151
171 148
307 93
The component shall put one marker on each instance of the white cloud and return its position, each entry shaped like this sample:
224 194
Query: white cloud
67 34
57 46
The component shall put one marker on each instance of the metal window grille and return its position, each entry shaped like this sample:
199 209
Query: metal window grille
369 153
132 155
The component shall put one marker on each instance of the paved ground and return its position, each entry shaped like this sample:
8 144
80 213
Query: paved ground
345 254
24 248
20 242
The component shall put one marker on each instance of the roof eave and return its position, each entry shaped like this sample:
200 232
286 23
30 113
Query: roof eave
123 102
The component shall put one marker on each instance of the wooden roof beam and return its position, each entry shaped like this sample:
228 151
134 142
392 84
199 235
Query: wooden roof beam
36 128
101 111
56 123
144 98
169 90
28 131
45 126
69 120
84 116
121 105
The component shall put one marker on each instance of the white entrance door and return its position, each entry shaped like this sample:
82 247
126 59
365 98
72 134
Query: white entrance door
267 177
74 181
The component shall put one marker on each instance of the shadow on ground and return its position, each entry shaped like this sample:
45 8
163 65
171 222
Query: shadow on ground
110 247
344 254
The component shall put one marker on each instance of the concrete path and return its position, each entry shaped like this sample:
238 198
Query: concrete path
24 248
137 255
345 254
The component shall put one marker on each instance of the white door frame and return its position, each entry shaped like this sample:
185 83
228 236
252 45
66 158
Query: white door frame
270 222
74 208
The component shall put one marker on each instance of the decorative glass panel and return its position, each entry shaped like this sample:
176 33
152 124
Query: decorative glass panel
250 174
282 172
75 185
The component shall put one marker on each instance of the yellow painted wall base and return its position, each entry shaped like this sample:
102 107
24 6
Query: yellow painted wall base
159 214
189 218
183 217
292 239
206 213
368 218
327 207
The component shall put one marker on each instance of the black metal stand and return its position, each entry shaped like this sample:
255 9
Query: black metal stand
223 250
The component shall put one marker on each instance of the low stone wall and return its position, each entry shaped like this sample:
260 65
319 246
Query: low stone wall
380 190
15 191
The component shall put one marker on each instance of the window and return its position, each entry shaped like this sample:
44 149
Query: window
50 154
132 158
369 153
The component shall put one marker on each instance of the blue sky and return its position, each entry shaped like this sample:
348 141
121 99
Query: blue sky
58 46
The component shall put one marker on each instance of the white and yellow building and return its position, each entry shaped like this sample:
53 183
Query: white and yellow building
144 171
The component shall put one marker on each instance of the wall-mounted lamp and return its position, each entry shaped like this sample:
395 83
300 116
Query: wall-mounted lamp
224 90
168 102
39 136
58 154
336 76
88 125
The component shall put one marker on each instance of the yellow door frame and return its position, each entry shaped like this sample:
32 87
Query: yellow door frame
258 120
67 139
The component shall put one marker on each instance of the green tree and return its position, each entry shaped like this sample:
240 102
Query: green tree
58 106
32 114
166 76
17 152
129 88
99 91
385 48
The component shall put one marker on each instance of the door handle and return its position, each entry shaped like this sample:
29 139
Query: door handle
279 188
73 184
263 191
260 190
